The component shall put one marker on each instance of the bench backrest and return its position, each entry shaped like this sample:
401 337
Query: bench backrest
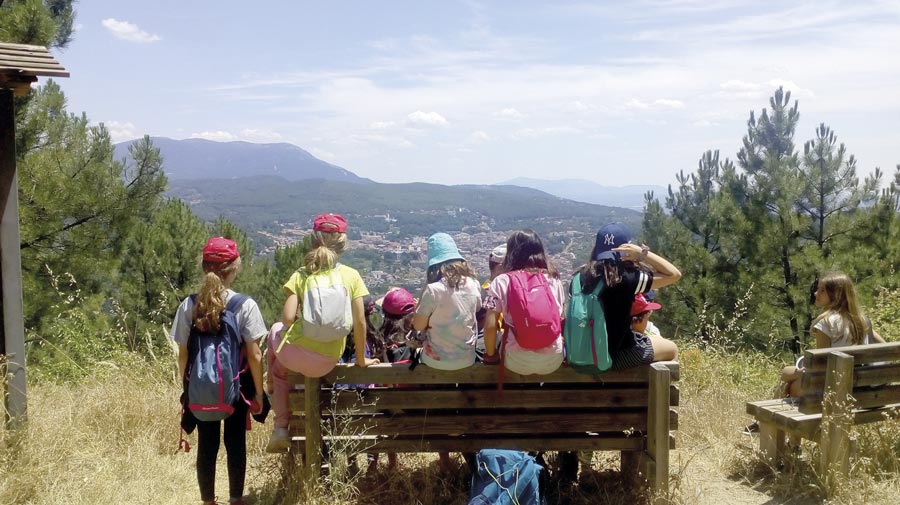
463 410
876 376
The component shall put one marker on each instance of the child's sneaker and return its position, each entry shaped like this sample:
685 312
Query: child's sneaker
279 442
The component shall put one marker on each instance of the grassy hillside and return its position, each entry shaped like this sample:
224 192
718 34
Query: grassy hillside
113 438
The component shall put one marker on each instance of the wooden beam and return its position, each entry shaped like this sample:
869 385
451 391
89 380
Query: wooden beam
817 359
313 432
836 420
658 433
13 324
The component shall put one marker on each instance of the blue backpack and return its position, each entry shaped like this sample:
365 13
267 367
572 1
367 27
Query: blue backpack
587 348
214 366
504 478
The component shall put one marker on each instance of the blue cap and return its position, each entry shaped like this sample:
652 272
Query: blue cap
609 237
441 248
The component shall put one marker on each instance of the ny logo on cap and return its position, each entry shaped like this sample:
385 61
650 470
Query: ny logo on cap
609 239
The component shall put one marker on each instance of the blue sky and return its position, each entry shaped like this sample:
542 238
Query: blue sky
479 92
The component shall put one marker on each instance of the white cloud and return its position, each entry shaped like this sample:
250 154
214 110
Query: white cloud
428 118
382 125
509 113
218 136
121 131
257 135
530 133
128 31
634 103
479 137
672 104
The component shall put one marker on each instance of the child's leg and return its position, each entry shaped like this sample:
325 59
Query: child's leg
790 376
207 450
663 349
236 450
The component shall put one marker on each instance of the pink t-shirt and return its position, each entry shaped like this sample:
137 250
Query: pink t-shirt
518 359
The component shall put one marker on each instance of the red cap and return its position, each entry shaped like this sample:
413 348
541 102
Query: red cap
220 250
398 302
334 223
641 304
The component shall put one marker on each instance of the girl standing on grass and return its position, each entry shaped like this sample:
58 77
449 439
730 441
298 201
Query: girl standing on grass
524 253
221 263
841 323
620 265
290 349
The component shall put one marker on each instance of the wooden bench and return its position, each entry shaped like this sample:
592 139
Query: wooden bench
842 386
457 411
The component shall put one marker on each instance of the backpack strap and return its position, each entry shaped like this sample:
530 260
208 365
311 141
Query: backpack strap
234 304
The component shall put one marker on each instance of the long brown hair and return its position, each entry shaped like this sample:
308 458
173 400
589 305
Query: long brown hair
453 272
842 300
326 247
209 303
524 249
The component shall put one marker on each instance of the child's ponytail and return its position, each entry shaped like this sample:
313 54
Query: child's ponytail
210 300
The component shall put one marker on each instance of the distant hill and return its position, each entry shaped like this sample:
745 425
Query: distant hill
269 203
205 159
629 197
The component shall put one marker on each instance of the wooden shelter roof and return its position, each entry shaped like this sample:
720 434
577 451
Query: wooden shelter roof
21 64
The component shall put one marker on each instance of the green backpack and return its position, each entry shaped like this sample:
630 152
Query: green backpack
587 350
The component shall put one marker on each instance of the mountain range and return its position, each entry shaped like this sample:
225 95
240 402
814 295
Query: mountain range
580 190
206 159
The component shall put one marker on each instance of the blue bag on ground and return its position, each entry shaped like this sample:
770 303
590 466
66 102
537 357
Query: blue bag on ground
214 362
505 477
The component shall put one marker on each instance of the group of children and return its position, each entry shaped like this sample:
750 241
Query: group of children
329 317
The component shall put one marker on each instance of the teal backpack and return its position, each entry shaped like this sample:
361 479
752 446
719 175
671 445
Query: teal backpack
587 350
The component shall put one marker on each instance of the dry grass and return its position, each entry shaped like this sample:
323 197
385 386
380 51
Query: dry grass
112 439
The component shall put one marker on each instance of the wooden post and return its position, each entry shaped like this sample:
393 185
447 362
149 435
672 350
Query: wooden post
313 412
771 443
658 433
12 343
836 419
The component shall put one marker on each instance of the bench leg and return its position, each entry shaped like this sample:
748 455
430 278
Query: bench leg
658 433
771 443
313 431
836 420
633 464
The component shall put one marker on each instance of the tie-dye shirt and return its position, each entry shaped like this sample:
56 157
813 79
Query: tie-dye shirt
450 344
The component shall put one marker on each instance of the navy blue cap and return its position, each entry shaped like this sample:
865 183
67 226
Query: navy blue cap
609 237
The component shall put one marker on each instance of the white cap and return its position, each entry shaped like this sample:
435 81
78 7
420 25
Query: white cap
498 254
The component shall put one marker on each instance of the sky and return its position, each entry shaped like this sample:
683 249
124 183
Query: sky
459 92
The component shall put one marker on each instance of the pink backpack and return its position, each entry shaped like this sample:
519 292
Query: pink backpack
532 309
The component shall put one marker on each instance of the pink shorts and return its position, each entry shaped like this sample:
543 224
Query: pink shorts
297 358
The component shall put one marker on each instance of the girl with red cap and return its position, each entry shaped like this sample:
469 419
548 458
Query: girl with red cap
291 344
221 263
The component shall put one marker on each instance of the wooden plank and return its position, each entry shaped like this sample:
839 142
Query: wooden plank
35 70
623 443
15 398
813 382
478 374
426 424
864 398
23 47
14 60
817 359
313 431
836 419
658 433
771 442
379 399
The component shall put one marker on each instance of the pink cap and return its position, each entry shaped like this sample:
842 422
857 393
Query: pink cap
220 250
334 223
398 302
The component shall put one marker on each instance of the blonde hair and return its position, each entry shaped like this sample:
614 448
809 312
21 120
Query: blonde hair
209 303
842 300
326 247
452 272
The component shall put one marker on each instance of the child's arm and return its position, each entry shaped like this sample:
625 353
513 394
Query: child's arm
822 340
665 272
182 360
254 361
289 312
490 332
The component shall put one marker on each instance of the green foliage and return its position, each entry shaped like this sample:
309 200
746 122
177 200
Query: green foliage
758 234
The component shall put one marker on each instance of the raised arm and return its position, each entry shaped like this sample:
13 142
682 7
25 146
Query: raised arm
665 273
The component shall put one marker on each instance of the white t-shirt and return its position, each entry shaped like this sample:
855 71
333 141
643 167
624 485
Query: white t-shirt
450 342
249 320
518 359
837 329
